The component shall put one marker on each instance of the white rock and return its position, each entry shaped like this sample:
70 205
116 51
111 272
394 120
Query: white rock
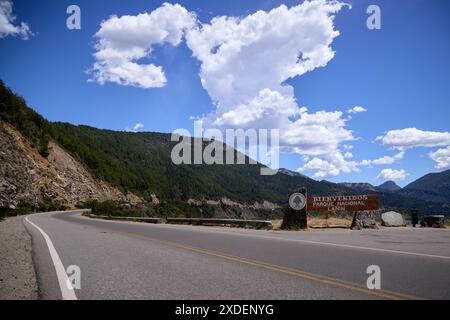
392 219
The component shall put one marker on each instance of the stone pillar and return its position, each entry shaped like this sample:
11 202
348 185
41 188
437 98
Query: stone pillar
295 217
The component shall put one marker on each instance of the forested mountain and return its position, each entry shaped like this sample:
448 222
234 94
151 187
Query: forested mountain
389 186
433 186
367 187
140 163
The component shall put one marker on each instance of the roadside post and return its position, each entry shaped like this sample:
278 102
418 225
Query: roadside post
414 217
295 217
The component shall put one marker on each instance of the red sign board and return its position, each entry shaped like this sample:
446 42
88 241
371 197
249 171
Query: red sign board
343 203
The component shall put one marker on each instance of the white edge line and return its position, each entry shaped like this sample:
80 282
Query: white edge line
64 283
339 245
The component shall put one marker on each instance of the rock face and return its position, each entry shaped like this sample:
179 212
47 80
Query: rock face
392 219
436 221
28 178
365 220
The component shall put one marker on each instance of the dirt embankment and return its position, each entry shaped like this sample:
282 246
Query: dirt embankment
28 178
17 274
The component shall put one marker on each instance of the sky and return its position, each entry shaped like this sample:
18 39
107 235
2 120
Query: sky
352 104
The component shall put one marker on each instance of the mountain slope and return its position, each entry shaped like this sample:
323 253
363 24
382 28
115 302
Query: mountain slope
388 186
140 164
27 179
433 186
359 187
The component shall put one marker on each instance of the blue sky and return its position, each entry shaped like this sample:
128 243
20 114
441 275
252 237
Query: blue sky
399 74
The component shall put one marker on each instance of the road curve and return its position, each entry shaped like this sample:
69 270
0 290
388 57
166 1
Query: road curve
126 260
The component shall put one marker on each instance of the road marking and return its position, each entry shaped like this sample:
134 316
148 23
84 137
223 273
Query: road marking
294 272
349 246
66 292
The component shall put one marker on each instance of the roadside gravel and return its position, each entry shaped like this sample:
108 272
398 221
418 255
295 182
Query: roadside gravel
17 274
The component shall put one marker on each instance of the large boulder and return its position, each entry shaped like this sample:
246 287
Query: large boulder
435 221
392 219
365 220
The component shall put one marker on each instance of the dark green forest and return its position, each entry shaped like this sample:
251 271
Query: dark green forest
141 163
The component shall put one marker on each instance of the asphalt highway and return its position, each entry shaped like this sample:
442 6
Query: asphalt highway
126 260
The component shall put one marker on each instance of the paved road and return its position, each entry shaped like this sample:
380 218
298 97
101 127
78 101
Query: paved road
125 260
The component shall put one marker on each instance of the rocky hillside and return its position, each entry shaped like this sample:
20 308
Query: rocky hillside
26 177
48 162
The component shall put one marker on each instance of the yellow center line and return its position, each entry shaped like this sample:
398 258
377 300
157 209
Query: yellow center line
285 270
293 272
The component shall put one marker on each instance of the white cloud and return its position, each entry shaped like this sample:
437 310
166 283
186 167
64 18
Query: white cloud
331 164
348 155
408 138
122 41
357 109
384 160
242 56
244 64
7 19
394 175
442 158
135 128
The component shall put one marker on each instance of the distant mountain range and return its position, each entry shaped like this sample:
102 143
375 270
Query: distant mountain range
364 187
140 164
433 186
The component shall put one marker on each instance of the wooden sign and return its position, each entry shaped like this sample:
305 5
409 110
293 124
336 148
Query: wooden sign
343 203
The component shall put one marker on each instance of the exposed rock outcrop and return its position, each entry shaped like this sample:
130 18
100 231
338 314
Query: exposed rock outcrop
28 178
365 220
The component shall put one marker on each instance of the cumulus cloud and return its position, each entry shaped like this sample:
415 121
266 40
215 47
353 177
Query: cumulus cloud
409 138
244 65
242 56
138 126
384 160
442 158
390 174
245 62
7 19
330 164
357 109
123 41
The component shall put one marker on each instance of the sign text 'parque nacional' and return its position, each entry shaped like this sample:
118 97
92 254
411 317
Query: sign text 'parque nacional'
343 203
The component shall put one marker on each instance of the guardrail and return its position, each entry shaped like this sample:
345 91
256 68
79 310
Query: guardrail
133 219
260 224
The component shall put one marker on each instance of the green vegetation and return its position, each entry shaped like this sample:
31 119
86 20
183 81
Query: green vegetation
141 163
433 186
14 110
25 208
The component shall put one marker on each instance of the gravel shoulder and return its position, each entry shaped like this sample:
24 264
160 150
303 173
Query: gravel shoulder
17 274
